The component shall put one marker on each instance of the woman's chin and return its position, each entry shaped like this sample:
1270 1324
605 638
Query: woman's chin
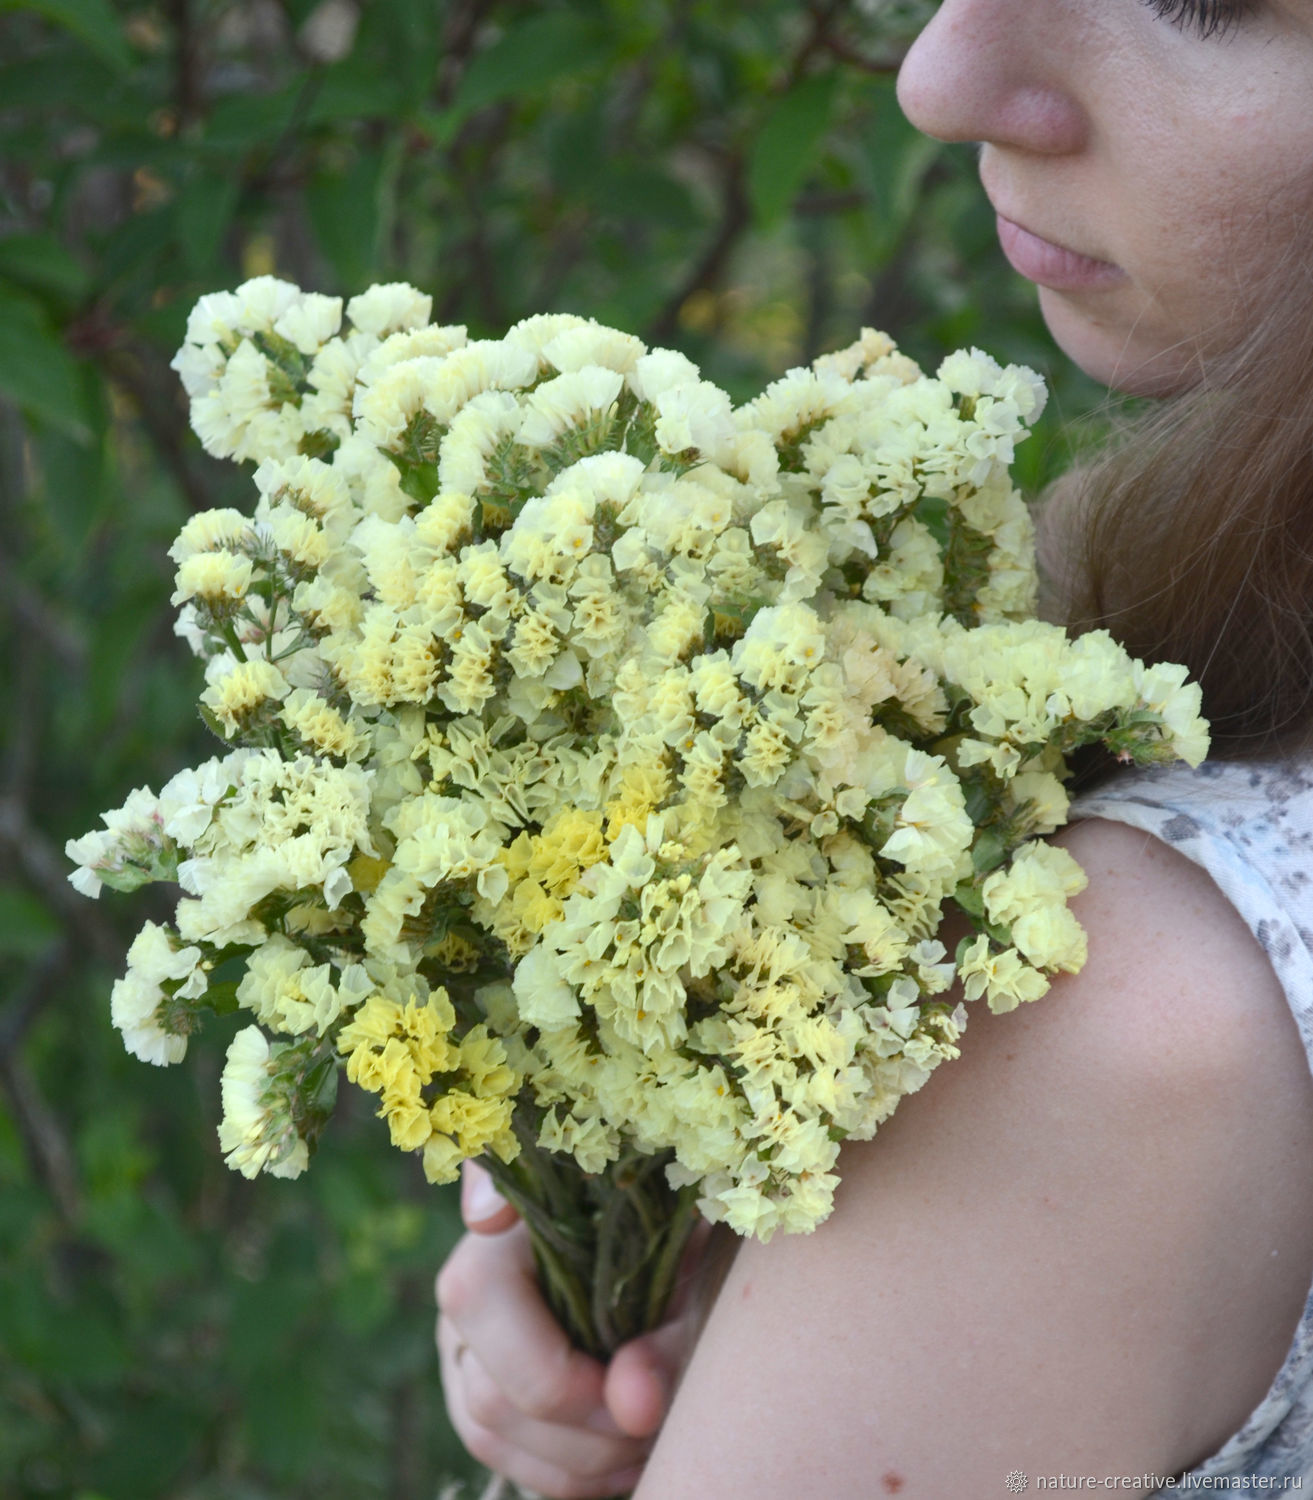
1116 353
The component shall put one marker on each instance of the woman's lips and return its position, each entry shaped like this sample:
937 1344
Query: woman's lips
1051 265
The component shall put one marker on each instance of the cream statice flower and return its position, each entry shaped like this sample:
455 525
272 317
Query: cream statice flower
284 830
603 759
258 1132
147 1003
134 849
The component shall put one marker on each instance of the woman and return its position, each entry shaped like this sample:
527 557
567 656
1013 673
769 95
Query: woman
1084 1254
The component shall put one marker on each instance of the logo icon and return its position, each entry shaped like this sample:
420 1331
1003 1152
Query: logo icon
1016 1482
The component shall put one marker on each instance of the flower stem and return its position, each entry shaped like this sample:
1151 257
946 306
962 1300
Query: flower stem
608 1245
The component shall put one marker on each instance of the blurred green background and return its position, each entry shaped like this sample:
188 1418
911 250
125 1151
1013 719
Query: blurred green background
729 176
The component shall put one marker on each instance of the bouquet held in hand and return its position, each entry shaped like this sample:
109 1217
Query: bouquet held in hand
601 762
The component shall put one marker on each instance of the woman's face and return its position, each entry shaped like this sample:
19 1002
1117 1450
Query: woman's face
1151 162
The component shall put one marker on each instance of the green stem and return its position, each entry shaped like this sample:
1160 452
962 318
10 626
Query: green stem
604 1268
230 635
608 1246
557 1259
664 1273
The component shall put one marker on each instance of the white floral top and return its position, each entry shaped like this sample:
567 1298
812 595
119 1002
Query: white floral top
1250 825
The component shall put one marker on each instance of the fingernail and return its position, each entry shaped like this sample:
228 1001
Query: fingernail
481 1200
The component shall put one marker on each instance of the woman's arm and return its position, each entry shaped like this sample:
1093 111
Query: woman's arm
1081 1250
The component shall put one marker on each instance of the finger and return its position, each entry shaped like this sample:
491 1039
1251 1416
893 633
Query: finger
482 1207
576 1450
488 1291
642 1376
637 1392
560 1462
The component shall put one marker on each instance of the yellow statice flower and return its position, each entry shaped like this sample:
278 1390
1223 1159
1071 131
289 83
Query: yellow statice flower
394 1051
641 788
1029 898
291 994
397 1051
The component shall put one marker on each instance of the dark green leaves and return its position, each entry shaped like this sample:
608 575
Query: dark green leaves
93 22
39 263
528 57
36 369
786 151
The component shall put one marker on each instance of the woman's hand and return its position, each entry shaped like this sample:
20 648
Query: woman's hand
522 1399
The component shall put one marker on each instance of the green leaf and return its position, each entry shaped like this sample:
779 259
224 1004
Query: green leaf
92 22
409 32
284 1424
987 852
576 147
40 262
54 82
968 897
634 192
787 146
74 475
72 1344
351 213
527 58
243 121
266 1321
25 924
348 93
144 1457
135 248
201 215
362 1301
36 370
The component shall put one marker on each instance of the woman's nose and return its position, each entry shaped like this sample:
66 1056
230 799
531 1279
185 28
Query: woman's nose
997 71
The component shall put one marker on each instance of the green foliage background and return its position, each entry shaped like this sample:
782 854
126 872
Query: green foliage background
730 176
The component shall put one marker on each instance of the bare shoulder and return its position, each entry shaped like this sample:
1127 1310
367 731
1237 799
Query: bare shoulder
1176 991
1083 1247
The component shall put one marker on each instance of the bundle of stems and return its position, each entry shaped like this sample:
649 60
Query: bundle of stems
608 1245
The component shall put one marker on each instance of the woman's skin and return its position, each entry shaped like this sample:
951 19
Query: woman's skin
1176 168
1038 1262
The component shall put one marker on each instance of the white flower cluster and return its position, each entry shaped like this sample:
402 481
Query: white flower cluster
609 754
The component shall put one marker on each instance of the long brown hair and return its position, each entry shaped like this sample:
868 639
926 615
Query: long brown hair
1193 534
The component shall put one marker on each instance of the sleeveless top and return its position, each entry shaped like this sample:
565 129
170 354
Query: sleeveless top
1250 826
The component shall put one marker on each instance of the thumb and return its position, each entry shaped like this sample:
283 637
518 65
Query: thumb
482 1207
641 1378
